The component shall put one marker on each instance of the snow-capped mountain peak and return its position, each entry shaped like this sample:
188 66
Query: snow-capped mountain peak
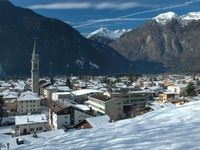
165 17
106 33
184 19
191 16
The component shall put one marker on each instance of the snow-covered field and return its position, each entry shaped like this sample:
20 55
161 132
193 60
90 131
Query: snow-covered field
167 128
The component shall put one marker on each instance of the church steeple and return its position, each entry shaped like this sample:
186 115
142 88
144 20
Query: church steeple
35 70
34 47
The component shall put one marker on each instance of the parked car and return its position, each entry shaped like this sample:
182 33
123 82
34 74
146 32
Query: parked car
19 140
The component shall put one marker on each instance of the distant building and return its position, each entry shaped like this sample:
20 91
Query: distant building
103 104
64 114
134 99
29 124
49 90
93 122
165 96
177 88
28 102
61 95
80 96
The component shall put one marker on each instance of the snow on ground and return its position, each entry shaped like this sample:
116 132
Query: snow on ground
164 129
94 65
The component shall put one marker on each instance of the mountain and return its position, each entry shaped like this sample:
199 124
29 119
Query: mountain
168 38
169 128
106 36
61 48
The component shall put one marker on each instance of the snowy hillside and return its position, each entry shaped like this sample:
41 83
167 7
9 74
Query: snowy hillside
168 16
106 33
167 128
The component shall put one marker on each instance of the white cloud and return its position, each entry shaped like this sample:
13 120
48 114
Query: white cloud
67 5
86 5
109 5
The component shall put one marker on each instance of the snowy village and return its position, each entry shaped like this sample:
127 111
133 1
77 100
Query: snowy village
99 75
46 108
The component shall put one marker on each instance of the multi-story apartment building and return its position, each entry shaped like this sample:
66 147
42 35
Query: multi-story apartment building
28 102
103 104
121 103
135 99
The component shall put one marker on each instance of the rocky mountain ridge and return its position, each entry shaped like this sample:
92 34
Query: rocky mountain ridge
169 39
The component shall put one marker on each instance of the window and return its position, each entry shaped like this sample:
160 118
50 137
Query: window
66 117
21 101
33 101
37 128
40 128
26 101
66 122
32 129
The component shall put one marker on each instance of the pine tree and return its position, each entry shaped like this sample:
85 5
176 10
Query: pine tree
190 89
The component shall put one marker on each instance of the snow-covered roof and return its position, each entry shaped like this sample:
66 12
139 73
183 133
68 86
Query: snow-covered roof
142 91
61 93
63 88
11 95
26 96
85 91
99 121
83 107
51 87
169 92
30 119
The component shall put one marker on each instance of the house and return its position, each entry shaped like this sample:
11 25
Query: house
49 90
165 96
28 124
63 114
28 102
103 104
93 122
177 88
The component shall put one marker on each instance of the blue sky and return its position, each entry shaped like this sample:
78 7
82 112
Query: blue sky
89 15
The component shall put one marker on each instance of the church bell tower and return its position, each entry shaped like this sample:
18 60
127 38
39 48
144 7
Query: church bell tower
35 70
